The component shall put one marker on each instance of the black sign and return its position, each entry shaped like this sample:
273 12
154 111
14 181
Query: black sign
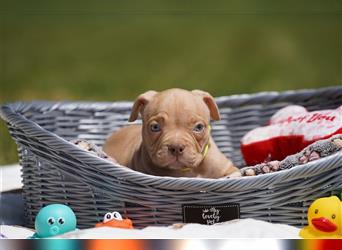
210 214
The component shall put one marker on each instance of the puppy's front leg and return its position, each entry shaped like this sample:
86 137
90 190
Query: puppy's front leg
231 170
235 174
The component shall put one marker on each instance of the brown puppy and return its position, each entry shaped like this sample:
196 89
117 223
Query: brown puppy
174 139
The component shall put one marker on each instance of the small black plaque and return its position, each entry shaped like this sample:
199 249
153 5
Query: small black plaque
210 214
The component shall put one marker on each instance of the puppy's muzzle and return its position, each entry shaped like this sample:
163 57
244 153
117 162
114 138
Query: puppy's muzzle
176 149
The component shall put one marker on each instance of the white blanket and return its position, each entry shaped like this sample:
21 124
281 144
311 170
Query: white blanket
244 228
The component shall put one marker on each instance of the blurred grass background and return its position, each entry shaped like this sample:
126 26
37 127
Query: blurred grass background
114 50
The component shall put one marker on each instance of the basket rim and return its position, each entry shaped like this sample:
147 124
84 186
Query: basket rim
10 113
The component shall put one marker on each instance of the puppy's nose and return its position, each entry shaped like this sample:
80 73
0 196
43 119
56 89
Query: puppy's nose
176 149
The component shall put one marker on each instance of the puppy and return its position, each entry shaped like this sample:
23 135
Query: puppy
174 138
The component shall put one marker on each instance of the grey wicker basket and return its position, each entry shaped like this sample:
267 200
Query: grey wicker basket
56 171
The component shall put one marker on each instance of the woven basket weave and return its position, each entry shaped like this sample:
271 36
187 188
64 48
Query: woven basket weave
56 171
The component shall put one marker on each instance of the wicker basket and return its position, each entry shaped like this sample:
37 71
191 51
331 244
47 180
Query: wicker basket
56 171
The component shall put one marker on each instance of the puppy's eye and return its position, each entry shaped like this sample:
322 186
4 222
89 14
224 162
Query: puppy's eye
51 221
155 127
199 127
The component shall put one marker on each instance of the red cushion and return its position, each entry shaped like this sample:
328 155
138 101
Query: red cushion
290 130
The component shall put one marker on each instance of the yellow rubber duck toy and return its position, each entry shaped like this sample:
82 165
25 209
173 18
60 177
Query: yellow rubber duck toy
324 219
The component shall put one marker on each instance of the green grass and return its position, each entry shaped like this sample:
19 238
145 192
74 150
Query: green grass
115 50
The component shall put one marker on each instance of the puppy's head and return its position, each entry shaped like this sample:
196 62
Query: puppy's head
176 128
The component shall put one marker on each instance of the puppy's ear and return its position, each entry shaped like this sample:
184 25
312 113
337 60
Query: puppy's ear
140 103
209 100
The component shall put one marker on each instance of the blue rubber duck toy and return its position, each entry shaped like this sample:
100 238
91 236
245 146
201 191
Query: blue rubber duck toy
53 220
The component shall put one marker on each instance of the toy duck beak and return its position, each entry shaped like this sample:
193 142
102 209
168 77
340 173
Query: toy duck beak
324 225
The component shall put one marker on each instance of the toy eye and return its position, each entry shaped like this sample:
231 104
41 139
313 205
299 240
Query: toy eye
333 216
155 127
199 127
51 221
61 221
316 211
117 216
107 217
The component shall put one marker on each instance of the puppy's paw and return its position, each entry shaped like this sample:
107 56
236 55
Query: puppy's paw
235 174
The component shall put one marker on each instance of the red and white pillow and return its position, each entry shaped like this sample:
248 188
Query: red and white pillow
290 130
